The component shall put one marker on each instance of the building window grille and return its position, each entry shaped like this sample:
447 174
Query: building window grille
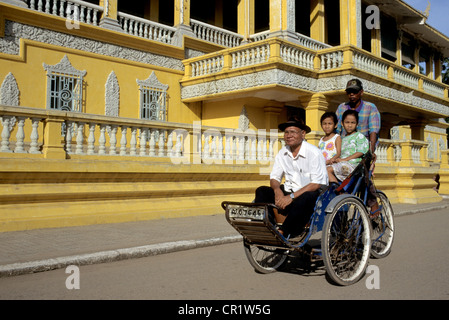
153 99
64 86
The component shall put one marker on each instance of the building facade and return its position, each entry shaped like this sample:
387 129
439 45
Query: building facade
122 111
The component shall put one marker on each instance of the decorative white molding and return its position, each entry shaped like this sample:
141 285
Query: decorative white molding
65 67
243 120
297 81
15 31
152 82
112 96
9 91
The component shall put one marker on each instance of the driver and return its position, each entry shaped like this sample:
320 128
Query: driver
304 168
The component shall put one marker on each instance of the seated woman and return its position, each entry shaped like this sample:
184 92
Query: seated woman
354 146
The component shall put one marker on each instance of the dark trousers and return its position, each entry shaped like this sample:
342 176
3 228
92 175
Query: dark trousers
297 214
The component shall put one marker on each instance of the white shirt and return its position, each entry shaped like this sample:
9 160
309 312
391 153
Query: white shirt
309 166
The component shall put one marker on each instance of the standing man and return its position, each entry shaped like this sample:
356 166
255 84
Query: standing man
369 125
369 116
304 168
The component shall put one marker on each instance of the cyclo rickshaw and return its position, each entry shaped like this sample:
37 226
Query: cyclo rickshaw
350 234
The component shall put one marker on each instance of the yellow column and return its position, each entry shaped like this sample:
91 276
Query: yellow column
349 13
182 12
282 19
444 172
376 46
315 106
416 59
317 20
154 10
245 18
429 67
399 48
182 22
438 68
275 16
272 116
109 19
53 147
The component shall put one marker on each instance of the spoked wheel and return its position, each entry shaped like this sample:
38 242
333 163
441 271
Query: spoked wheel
265 259
383 228
346 241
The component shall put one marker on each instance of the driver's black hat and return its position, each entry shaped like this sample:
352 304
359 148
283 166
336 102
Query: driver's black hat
294 122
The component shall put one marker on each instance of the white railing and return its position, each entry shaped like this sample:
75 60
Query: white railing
406 78
22 131
311 43
371 65
392 152
145 28
433 88
73 10
207 66
331 60
215 35
218 144
259 36
297 56
249 56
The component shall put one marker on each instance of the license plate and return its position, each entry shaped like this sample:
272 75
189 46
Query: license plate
244 212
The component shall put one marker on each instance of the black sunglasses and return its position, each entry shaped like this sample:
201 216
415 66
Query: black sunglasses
354 91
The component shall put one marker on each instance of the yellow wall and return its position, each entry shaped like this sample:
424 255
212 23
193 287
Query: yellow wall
33 88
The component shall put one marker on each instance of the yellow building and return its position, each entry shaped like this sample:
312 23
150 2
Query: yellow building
114 110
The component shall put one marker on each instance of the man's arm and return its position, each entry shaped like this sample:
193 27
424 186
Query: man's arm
373 141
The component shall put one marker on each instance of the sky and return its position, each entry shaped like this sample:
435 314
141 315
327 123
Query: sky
439 12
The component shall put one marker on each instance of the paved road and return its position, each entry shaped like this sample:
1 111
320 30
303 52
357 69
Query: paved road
416 269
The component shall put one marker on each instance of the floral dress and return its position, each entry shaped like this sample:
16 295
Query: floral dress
328 147
351 144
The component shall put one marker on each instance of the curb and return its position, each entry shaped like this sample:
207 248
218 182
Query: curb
111 255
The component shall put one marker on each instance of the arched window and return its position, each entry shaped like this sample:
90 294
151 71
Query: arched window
153 99
64 86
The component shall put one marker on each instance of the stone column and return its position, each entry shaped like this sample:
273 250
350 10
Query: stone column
282 19
317 20
182 22
444 173
53 147
315 105
350 22
245 18
109 19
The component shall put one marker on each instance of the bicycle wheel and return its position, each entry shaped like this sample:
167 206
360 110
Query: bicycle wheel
265 259
346 241
383 228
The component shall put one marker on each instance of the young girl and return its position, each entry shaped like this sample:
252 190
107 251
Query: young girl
354 146
330 144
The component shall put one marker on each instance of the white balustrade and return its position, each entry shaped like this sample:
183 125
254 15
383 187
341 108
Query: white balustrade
406 78
21 143
331 60
297 56
207 66
311 43
250 56
370 65
114 140
145 28
216 35
234 145
73 10
433 88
